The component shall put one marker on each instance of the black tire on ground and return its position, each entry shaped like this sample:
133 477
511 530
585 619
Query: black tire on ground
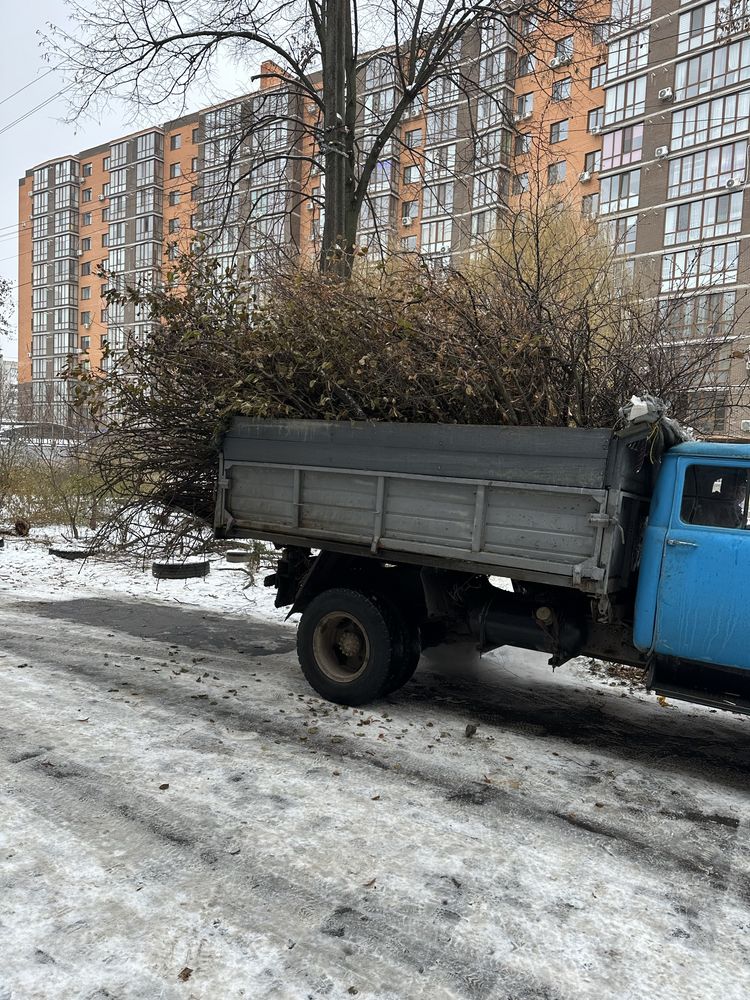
72 553
349 646
239 555
179 571
411 651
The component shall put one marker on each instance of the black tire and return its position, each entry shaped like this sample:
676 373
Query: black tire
179 571
411 652
349 646
72 553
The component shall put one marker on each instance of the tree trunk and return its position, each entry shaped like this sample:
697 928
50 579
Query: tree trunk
339 95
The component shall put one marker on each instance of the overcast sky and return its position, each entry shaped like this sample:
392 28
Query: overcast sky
43 135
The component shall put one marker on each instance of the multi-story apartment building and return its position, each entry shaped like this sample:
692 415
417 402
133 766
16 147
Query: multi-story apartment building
675 126
639 119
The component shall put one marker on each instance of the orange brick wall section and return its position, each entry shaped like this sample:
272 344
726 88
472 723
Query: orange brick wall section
573 150
94 257
182 186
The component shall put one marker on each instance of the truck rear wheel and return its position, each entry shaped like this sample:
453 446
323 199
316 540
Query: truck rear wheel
411 651
349 646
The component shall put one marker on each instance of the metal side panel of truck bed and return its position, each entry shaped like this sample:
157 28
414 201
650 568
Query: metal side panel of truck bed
560 506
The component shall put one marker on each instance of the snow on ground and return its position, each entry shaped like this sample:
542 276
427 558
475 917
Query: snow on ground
26 566
181 817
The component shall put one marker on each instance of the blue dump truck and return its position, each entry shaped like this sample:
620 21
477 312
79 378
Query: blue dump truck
618 546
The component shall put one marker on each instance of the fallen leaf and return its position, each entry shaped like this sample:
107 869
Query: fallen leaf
164 787
185 974
470 729
375 798
370 884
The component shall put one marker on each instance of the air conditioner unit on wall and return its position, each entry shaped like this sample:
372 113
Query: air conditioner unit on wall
557 61
661 151
666 94
554 62
102 197
733 182
595 129
406 220
584 176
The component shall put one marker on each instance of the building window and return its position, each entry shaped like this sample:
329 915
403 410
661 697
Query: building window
195 136
621 233
524 105
595 119
526 65
556 172
520 183
624 100
622 147
437 236
86 292
411 174
493 69
149 145
697 28
174 225
86 318
626 55
716 119
86 219
86 244
438 200
105 163
118 155
620 192
409 244
713 70
174 197
85 342
529 24
85 268
522 144
590 206
175 170
600 33
413 138
592 161
194 164
703 220
175 141
409 210
118 181
564 49
561 89
699 267
598 76
558 132
707 170
627 12
441 125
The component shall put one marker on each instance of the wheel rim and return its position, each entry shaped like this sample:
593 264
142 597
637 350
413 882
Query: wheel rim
341 647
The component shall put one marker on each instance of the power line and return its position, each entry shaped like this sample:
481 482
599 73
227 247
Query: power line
26 86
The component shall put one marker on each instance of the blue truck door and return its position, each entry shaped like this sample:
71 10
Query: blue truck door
704 587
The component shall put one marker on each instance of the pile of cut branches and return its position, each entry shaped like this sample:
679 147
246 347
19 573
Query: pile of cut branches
538 331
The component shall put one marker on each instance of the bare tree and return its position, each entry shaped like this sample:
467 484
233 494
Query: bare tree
154 52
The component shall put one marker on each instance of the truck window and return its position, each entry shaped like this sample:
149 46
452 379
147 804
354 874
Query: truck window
715 495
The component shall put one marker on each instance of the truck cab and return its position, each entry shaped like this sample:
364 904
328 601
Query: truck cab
694 583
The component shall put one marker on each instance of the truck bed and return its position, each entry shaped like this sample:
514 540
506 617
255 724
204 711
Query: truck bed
560 506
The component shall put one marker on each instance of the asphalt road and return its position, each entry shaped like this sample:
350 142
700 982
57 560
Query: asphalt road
181 817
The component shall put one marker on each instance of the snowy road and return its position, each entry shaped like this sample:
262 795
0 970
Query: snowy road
585 843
